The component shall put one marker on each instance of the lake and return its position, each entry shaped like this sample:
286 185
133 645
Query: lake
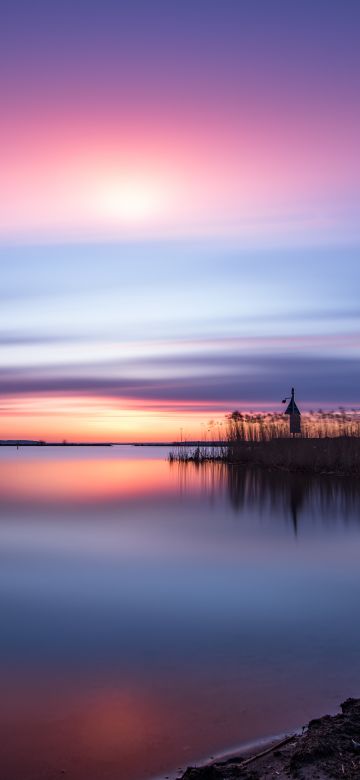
155 614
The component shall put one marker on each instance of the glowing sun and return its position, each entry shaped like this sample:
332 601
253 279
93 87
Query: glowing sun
132 201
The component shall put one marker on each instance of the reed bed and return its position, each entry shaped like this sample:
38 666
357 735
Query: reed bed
314 425
329 443
331 455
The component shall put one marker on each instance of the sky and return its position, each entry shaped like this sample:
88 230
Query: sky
179 221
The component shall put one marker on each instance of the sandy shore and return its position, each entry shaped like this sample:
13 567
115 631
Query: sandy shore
329 748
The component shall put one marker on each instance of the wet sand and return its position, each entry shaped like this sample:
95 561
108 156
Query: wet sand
329 748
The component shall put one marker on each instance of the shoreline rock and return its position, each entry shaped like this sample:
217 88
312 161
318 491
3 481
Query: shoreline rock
329 749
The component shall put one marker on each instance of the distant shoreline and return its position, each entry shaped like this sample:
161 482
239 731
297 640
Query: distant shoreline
24 443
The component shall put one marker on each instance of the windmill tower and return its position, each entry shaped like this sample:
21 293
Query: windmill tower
294 413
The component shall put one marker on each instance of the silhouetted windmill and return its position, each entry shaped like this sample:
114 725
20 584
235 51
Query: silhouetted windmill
294 413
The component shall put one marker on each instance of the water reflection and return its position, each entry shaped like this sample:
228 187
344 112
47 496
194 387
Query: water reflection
152 614
292 495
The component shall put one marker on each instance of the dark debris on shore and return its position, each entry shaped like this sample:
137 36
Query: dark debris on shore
328 750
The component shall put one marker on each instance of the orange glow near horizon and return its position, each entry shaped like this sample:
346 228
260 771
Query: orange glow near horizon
85 419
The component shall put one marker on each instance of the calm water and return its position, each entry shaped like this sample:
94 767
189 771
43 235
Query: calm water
153 615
